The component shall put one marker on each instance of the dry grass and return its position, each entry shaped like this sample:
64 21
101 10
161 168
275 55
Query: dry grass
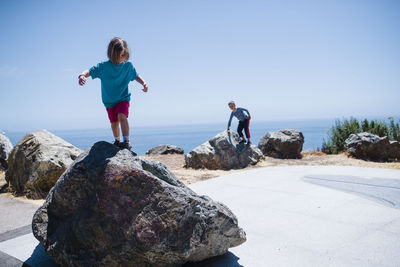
188 175
5 192
2 178
175 164
309 158
312 152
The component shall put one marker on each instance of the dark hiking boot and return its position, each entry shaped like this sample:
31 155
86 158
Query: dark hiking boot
117 143
126 145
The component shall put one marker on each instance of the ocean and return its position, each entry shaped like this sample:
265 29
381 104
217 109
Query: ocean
189 136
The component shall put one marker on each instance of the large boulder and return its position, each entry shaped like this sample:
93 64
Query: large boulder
164 149
5 149
284 144
36 163
113 209
372 147
223 152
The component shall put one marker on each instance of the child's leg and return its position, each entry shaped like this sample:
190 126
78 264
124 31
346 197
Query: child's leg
247 131
240 129
114 122
115 129
123 120
122 111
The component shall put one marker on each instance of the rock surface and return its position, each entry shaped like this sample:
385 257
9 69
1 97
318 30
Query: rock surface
223 152
164 149
36 163
372 147
113 209
5 149
286 143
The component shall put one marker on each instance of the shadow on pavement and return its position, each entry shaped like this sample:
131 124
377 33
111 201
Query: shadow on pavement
40 258
228 259
381 190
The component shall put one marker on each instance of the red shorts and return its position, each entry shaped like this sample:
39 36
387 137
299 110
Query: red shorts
121 107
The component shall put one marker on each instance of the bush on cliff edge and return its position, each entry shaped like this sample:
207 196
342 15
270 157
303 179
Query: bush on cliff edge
343 129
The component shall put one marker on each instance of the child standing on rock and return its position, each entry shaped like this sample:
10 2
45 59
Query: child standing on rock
115 75
244 121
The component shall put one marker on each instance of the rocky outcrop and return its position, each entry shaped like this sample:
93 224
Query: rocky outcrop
372 147
5 149
164 149
113 209
36 163
394 151
223 152
286 144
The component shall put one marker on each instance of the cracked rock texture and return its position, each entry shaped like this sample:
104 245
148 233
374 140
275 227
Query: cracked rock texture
286 144
368 146
5 149
111 208
36 163
164 149
223 152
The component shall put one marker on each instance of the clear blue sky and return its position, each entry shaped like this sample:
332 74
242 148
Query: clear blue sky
280 59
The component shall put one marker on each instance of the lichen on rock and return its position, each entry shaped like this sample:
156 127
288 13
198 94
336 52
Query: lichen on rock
111 208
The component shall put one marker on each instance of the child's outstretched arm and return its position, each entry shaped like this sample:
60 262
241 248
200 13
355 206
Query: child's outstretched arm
229 122
142 82
82 77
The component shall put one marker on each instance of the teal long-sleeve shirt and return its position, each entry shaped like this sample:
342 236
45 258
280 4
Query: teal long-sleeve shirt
239 114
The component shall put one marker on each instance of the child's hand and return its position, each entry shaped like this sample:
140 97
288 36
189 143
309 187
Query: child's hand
145 88
82 80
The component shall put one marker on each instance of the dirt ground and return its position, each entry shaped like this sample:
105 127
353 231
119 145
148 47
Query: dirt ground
4 191
2 178
188 175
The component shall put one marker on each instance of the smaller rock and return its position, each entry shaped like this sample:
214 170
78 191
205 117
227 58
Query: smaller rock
368 146
223 152
36 163
164 149
286 143
5 149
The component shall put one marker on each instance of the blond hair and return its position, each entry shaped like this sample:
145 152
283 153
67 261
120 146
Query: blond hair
116 47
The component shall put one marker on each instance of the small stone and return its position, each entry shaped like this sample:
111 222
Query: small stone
164 149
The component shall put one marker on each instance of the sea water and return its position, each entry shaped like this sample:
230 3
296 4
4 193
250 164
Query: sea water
189 136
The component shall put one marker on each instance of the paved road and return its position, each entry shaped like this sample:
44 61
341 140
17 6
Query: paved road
17 244
293 216
313 216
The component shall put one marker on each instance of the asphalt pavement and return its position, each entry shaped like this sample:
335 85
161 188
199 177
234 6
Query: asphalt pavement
293 216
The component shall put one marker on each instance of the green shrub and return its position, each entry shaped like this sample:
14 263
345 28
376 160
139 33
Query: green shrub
338 133
394 130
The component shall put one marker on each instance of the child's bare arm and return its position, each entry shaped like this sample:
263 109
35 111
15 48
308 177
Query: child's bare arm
82 77
142 82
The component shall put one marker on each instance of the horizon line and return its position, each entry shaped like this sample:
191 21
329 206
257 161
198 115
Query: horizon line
333 119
